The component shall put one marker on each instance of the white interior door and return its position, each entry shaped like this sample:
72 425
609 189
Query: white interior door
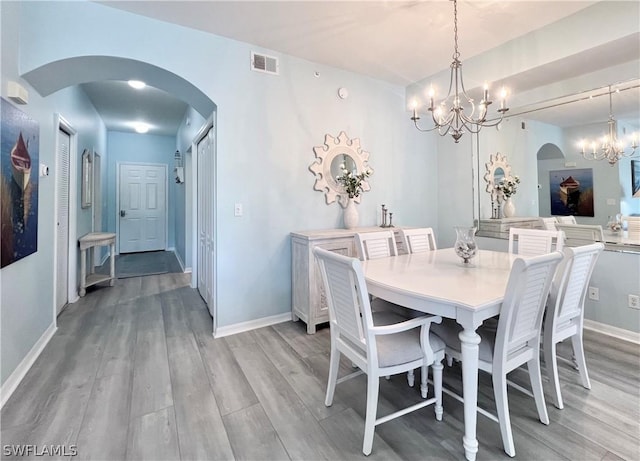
62 220
97 205
143 208
206 216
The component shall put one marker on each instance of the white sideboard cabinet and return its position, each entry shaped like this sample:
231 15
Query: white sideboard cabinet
308 298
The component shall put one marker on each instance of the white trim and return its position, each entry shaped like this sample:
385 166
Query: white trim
610 330
251 325
72 269
21 370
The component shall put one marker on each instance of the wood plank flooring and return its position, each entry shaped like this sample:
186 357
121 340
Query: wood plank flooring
133 373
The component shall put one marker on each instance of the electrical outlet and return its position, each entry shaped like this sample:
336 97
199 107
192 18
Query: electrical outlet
594 293
237 209
634 301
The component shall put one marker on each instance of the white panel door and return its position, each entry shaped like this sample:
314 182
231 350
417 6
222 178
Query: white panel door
143 210
62 220
206 224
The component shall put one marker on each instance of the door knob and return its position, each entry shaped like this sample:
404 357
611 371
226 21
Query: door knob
122 213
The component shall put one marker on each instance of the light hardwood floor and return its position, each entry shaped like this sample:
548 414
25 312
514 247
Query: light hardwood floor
134 373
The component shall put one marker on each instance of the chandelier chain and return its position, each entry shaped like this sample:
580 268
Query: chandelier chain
457 113
456 53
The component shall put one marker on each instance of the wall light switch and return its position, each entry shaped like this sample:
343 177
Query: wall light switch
237 209
611 201
594 294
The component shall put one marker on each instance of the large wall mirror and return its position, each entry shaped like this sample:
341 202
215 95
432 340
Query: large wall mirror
543 137
332 157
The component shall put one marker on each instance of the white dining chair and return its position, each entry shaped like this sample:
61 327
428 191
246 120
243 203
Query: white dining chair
533 242
377 349
581 234
632 226
418 240
374 245
566 219
382 244
549 223
565 312
517 339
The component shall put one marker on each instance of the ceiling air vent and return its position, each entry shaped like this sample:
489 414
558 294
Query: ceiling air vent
264 63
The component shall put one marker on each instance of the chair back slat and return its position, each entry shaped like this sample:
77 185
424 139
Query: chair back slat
569 289
534 242
581 234
520 320
566 219
419 240
549 223
374 245
343 298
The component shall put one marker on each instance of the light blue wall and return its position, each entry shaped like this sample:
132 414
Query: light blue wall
27 302
191 124
267 127
141 148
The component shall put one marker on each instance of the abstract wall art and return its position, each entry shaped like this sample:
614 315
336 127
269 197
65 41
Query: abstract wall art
571 192
19 153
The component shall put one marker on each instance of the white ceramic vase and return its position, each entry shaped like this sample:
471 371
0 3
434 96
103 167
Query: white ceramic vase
350 215
509 208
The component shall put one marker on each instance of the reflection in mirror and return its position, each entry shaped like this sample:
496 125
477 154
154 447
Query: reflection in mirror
341 162
545 137
330 157
496 169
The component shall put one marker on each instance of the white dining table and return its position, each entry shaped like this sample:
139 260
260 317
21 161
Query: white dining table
438 282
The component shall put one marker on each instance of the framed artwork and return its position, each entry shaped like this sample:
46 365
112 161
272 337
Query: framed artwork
571 192
635 178
19 164
87 179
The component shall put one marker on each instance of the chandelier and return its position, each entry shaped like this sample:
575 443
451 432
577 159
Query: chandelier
611 148
450 116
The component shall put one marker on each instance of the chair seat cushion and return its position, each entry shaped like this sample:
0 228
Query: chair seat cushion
404 347
381 305
449 330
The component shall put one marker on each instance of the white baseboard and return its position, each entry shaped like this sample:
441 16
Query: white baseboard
251 325
616 332
21 370
188 270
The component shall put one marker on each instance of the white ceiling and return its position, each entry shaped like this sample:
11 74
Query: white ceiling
396 41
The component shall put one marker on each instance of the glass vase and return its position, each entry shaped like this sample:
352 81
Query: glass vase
465 245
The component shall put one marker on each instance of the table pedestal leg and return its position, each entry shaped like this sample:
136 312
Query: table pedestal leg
469 347
83 272
112 261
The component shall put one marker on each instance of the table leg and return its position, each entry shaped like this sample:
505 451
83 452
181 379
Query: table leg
469 344
83 272
112 262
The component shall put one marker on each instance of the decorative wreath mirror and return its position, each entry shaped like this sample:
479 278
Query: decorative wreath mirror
330 159
497 169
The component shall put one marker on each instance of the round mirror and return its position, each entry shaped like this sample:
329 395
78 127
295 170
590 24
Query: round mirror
331 158
342 162
497 169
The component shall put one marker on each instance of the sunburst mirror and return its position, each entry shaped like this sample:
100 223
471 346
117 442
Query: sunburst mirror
497 169
330 159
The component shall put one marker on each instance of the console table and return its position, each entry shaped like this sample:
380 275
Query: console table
90 240
308 299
